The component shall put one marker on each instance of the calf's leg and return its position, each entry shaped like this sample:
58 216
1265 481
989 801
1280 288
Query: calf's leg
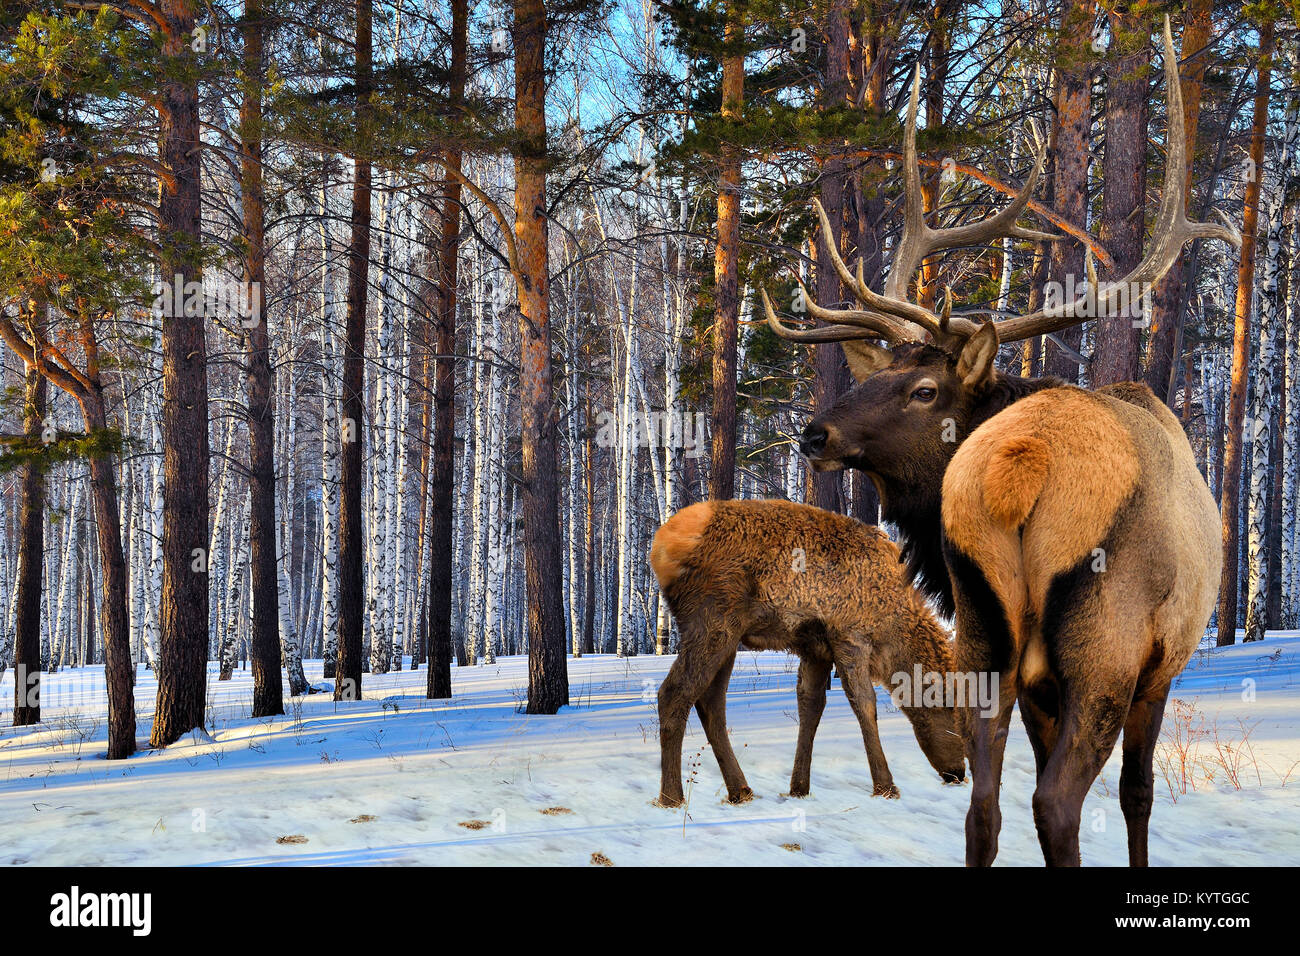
811 693
701 657
712 708
855 675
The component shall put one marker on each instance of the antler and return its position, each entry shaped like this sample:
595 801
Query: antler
1171 231
890 316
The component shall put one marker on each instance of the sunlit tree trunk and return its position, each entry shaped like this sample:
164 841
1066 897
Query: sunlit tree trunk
548 680
182 681
1229 502
726 266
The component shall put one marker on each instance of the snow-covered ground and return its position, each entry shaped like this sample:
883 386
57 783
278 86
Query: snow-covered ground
400 779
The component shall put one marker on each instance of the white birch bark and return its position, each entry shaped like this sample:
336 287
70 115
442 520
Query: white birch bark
494 560
1291 440
475 592
1264 410
235 593
68 574
379 582
154 527
289 646
330 450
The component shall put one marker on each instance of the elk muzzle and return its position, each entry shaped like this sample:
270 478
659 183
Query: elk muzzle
821 445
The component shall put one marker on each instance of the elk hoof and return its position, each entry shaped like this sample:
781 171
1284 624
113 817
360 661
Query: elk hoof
889 792
744 796
953 776
668 803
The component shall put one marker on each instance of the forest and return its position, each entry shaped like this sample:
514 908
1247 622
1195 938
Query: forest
348 337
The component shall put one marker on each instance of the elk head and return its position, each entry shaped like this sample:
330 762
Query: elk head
933 380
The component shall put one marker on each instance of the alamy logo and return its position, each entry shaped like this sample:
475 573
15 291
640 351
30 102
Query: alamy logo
920 688
1129 300
178 298
655 430
76 909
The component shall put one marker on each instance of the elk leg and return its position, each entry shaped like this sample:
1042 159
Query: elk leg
855 675
1091 720
712 708
686 682
982 647
1136 779
1038 711
811 692
986 742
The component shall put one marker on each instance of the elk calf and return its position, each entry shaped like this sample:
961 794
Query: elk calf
773 575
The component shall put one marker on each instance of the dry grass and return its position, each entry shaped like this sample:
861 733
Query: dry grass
1195 752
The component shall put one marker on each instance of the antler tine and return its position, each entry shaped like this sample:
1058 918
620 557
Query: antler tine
918 240
847 324
1171 231
897 307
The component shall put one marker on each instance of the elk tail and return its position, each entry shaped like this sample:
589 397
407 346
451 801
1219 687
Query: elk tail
676 539
1014 477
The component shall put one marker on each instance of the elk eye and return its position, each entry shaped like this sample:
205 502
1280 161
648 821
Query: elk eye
924 394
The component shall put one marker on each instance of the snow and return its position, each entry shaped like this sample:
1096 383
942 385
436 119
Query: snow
395 778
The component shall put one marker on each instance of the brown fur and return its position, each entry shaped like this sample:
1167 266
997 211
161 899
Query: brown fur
773 575
1014 478
1105 583
1078 548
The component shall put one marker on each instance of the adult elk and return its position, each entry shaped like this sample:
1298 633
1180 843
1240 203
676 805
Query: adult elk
1069 530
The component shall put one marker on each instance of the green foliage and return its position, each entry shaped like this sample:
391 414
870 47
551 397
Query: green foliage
18 451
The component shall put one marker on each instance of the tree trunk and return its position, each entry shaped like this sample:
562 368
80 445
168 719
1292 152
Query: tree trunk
1291 438
828 359
264 643
1229 503
1115 337
726 269
548 679
183 615
347 684
442 477
1262 559
119 670
31 560
1069 158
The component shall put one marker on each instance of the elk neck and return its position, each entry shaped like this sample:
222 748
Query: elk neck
912 504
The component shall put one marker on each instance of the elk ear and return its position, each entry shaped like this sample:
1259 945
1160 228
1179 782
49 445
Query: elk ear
865 359
975 365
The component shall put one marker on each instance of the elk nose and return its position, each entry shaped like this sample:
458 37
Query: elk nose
812 441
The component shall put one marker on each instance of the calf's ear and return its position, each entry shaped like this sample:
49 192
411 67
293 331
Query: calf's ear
865 359
975 364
